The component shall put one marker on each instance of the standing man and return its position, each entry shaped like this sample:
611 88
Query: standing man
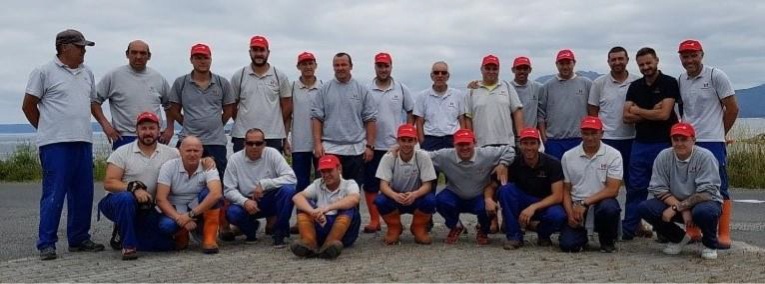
592 177
343 119
207 102
649 106
57 104
562 103
709 104
264 98
259 183
392 98
492 106
528 90
303 92
132 90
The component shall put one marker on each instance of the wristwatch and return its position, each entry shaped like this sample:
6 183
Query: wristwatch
191 214
370 147
581 203
674 208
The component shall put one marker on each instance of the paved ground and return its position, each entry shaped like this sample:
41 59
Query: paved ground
371 261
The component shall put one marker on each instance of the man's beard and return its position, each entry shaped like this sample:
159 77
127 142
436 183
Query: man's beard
142 140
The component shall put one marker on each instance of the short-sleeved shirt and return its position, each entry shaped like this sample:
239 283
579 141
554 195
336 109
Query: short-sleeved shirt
529 95
300 132
202 108
390 104
562 105
702 106
609 95
492 113
318 192
184 189
587 176
344 108
260 101
440 112
64 105
136 166
406 176
536 181
646 97
130 93
467 179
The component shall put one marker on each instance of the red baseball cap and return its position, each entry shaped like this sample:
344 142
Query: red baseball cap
201 48
147 116
592 122
407 130
383 57
259 41
683 129
529 133
327 162
565 54
689 45
464 136
490 59
521 61
305 56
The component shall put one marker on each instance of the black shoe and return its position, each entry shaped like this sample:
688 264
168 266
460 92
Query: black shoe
279 243
87 245
607 247
48 253
227 236
299 248
116 241
544 242
661 239
331 251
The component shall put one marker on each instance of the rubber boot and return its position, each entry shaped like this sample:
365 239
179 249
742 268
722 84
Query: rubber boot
210 231
393 220
333 247
374 215
420 227
694 232
181 238
723 228
306 246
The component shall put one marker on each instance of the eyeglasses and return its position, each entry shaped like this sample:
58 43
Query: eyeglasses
440 72
255 143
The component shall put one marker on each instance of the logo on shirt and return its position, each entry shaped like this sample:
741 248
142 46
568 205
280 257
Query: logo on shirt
580 92
694 169
272 84
541 174
603 167
706 85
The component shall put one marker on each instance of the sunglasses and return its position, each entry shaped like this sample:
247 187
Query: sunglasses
440 72
255 143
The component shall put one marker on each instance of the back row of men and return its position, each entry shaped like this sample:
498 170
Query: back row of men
357 123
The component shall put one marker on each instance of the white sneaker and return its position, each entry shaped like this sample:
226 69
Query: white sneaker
673 249
709 253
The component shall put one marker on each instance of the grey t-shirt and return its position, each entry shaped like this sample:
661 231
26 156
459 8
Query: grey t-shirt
529 95
344 108
260 101
467 179
562 105
184 188
682 178
406 176
492 113
390 104
202 109
302 99
137 166
609 95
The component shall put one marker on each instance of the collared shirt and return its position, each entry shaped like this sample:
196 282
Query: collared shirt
130 93
609 95
683 178
536 181
406 176
468 179
646 97
344 108
492 113
586 175
260 101
64 105
302 99
138 167
318 192
391 102
243 175
529 95
184 188
203 108
440 112
702 106
562 105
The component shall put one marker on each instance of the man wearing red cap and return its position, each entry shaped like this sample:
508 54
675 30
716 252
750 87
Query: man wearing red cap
328 218
57 104
392 99
303 91
709 104
264 98
532 197
592 176
528 90
406 180
562 103
491 106
686 187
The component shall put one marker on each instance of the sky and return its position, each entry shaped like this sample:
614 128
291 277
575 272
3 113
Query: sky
415 33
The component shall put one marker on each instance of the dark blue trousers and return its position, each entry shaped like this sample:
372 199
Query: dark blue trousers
606 225
138 229
277 202
557 147
705 215
513 201
302 164
168 226
434 143
371 182
426 204
122 141
450 205
353 230
624 147
640 168
721 154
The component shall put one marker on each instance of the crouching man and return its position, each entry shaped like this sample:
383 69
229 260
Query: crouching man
328 214
686 186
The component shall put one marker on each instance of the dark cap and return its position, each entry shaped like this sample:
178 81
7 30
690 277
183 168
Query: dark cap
73 37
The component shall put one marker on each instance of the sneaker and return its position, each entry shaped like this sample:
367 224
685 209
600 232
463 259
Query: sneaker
48 253
279 243
454 234
607 247
676 248
482 238
129 254
709 253
87 245
252 240
512 244
544 242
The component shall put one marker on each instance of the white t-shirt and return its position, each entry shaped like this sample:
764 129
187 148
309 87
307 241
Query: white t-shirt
587 176
184 189
319 192
138 167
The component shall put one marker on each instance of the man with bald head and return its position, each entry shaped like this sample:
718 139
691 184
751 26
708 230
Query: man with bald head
131 89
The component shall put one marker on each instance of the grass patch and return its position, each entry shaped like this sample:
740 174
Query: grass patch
746 158
24 164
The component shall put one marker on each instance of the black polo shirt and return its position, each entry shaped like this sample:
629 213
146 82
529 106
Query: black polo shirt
536 181
646 97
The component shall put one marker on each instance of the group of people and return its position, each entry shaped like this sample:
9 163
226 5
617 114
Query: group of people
544 157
